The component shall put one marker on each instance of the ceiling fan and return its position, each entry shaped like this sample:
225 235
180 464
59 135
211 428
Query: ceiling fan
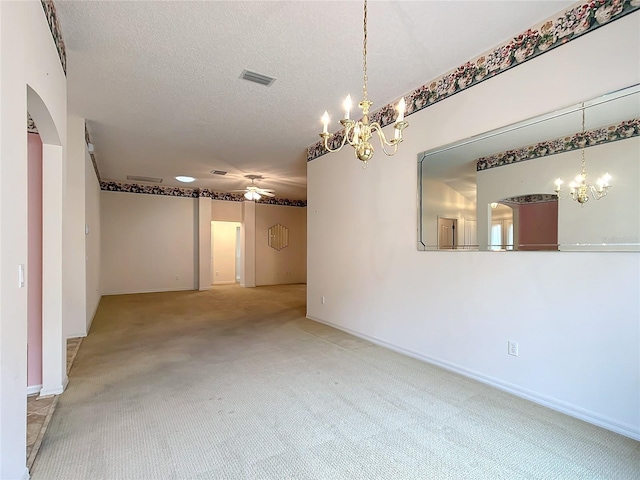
253 192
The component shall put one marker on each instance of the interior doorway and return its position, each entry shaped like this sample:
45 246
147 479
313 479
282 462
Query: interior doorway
447 233
225 253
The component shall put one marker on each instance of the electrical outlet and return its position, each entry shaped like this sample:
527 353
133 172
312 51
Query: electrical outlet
322 300
177 277
512 348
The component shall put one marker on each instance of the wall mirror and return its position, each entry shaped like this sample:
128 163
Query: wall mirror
496 191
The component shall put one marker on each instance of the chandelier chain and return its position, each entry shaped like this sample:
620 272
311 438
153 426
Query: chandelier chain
358 133
584 139
364 53
579 188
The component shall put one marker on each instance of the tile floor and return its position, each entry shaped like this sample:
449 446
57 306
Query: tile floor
40 409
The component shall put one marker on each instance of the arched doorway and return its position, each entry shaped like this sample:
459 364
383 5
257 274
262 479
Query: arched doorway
54 377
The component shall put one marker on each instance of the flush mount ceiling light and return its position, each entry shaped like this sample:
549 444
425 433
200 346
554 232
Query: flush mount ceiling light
357 134
185 179
579 189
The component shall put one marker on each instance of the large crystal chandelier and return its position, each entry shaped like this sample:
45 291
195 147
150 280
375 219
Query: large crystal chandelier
358 133
579 189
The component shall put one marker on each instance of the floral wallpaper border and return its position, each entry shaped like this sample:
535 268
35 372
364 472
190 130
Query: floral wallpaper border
31 125
87 140
572 23
590 138
56 32
112 186
532 198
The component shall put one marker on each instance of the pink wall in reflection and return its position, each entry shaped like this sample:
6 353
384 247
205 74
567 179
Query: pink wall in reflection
538 226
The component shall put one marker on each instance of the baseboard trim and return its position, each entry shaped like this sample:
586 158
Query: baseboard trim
55 390
580 413
75 335
159 290
33 389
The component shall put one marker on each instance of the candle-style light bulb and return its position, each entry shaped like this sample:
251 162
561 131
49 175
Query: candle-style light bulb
347 104
605 179
401 107
325 122
558 183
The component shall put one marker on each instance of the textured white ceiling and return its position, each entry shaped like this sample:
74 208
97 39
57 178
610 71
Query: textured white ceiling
158 82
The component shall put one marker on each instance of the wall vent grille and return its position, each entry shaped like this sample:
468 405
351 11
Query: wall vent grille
257 78
138 178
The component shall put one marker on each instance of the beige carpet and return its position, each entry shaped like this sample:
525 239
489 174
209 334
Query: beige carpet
236 384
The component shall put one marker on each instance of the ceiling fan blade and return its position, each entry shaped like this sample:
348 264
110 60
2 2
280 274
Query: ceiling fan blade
267 192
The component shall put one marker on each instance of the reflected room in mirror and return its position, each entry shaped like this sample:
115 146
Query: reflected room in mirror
565 181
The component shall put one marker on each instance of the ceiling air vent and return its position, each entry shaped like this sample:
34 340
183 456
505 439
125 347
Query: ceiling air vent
144 179
257 78
218 172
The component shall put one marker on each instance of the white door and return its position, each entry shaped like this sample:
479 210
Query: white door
212 241
447 233
238 255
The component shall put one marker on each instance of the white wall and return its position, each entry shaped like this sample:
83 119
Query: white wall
289 265
248 244
92 240
204 243
615 217
149 240
75 276
579 340
148 243
28 57
224 211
